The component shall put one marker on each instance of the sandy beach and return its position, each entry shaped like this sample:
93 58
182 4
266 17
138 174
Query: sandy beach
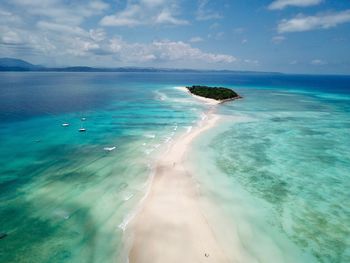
206 100
202 99
171 226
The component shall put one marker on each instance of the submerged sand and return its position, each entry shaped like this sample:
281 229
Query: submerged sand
171 226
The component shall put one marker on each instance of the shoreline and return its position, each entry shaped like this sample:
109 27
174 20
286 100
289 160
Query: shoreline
207 100
170 226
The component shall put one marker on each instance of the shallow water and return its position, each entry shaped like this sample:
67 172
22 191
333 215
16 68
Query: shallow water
278 165
287 155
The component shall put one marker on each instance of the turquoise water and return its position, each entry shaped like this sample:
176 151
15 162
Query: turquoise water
288 154
278 165
63 197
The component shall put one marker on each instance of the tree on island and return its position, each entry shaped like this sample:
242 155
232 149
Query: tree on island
216 93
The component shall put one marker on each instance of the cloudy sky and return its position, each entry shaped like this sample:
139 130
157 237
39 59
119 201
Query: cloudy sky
298 36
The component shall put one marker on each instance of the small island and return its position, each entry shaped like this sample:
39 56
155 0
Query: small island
217 93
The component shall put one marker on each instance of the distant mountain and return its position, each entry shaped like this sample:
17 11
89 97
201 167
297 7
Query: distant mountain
12 64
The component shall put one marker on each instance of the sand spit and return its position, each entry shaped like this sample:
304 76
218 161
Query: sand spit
171 226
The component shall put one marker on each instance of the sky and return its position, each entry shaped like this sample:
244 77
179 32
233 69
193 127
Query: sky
292 36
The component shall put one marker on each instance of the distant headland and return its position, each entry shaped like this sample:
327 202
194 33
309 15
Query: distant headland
12 64
216 93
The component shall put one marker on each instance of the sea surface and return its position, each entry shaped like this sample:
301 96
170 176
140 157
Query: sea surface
277 167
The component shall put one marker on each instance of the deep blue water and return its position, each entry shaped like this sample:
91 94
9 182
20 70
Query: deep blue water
25 95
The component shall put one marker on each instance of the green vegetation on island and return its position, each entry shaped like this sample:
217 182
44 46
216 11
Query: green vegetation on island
216 93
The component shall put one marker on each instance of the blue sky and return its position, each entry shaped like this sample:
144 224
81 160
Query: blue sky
295 36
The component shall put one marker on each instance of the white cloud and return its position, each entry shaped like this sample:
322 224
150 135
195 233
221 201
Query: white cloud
165 17
318 62
244 41
157 52
55 40
97 6
81 47
97 34
8 17
49 29
61 28
164 51
119 21
281 4
278 39
61 36
127 17
29 41
72 13
204 13
196 39
306 23
10 37
144 12
115 45
179 50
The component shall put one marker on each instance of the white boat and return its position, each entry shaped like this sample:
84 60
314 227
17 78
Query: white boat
83 119
109 149
82 129
65 124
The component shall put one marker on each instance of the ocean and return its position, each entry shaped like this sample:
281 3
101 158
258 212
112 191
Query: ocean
275 173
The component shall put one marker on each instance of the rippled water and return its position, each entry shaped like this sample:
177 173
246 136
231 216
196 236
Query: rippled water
278 165
64 198
288 152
